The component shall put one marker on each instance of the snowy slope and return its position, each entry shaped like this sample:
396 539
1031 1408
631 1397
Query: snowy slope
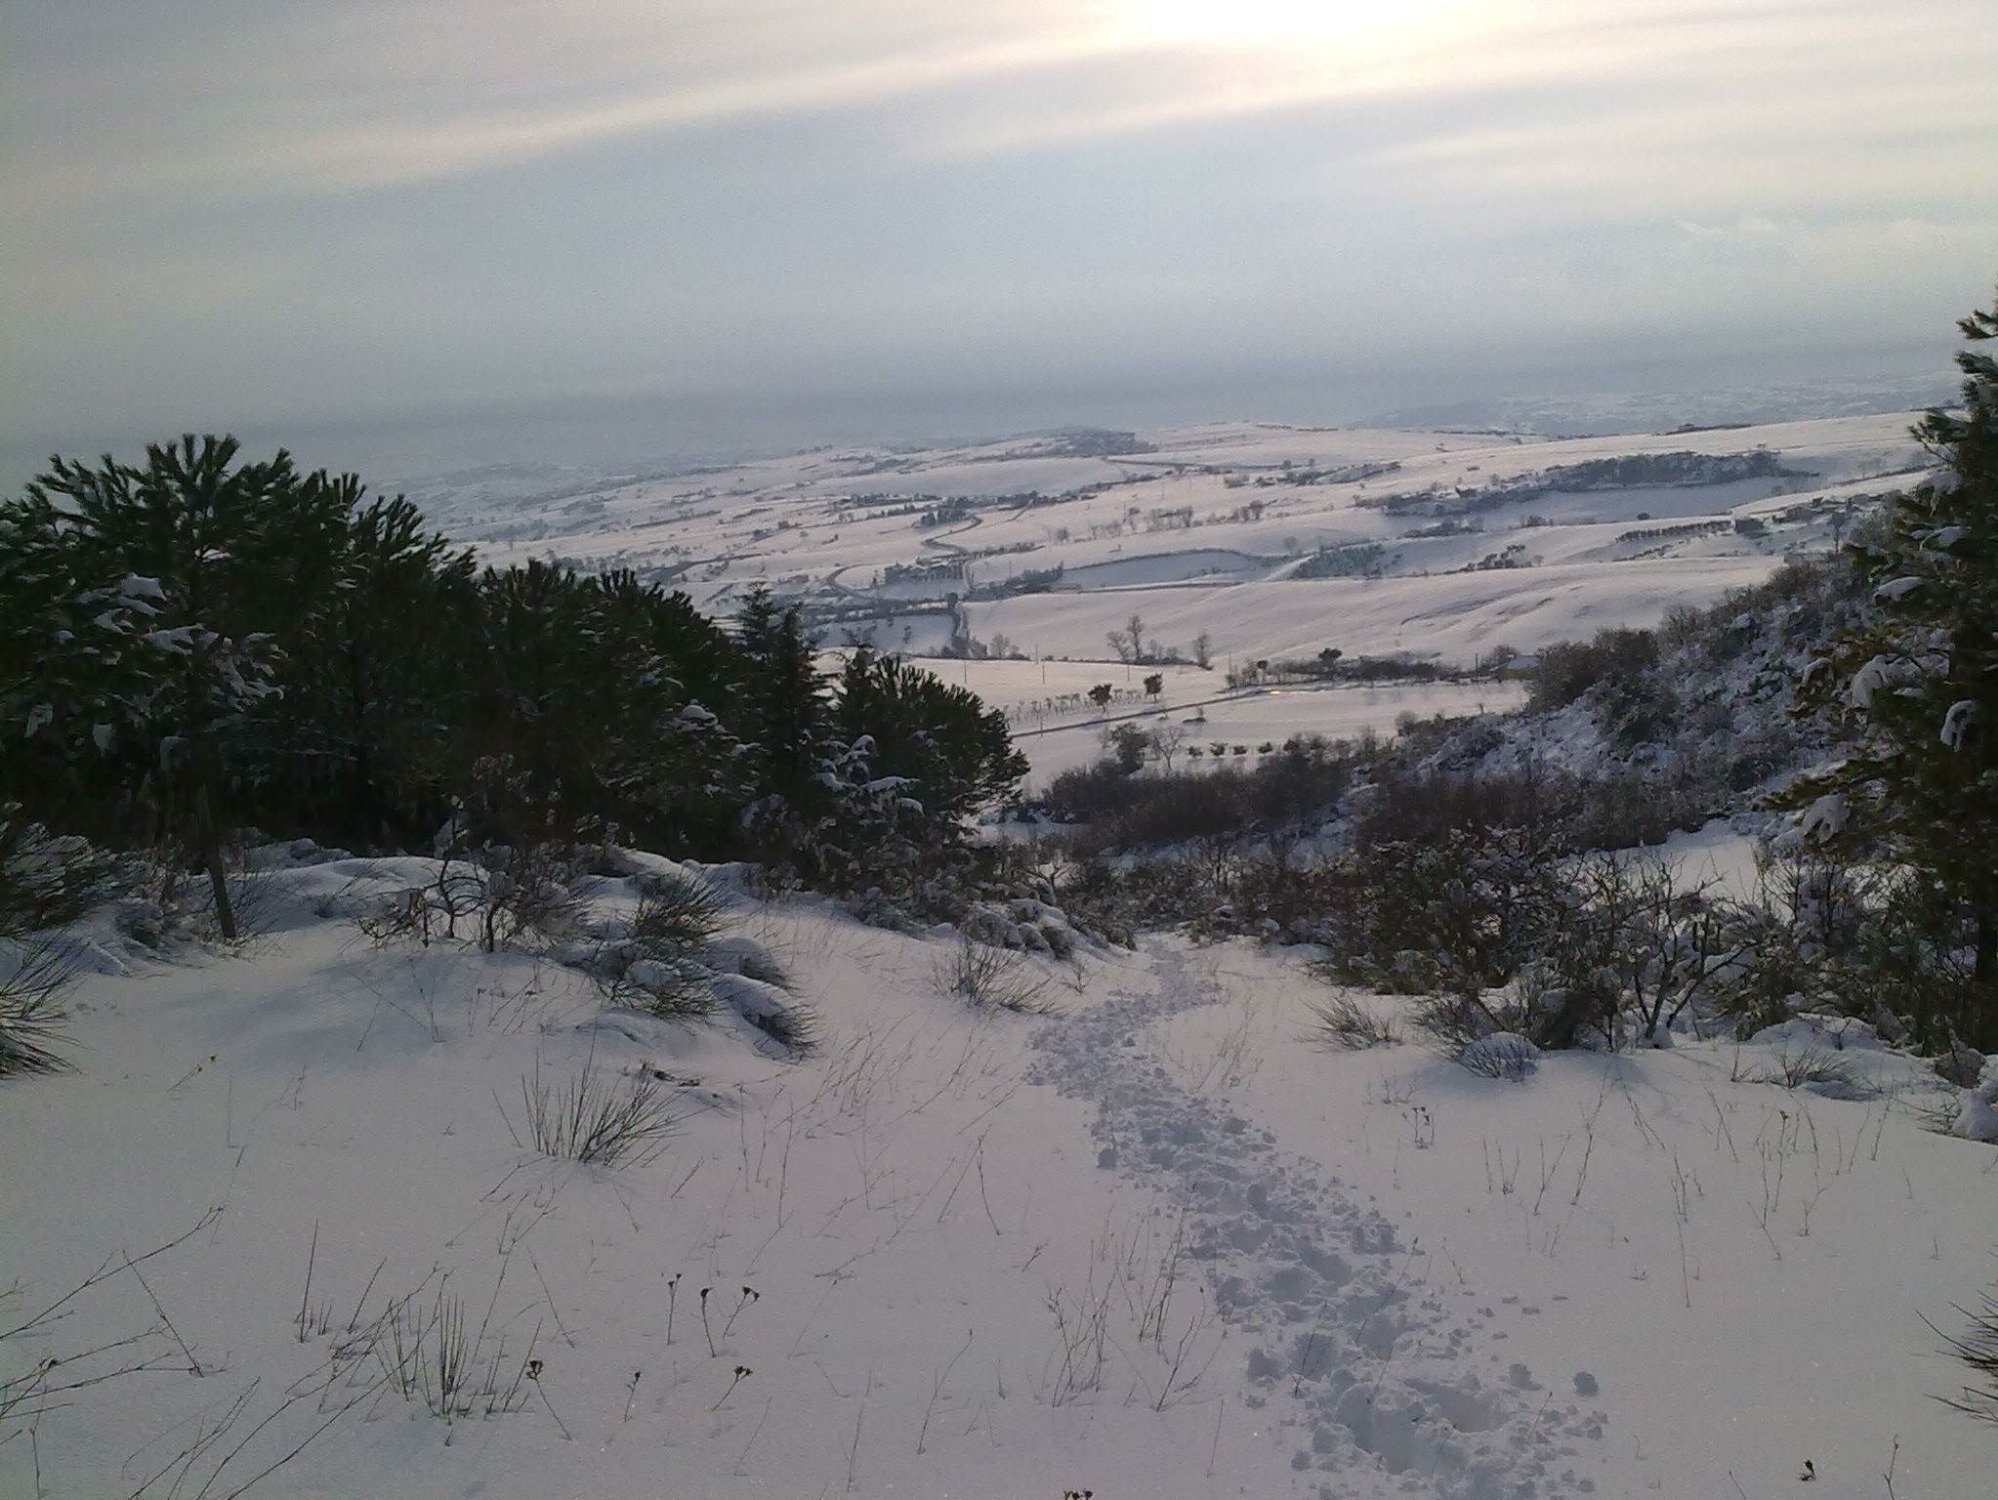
1152 1245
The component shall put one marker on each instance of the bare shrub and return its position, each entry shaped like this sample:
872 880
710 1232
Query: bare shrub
1977 1347
1342 1023
1299 780
434 1356
594 1119
30 1014
1569 669
993 978
1809 1065
494 898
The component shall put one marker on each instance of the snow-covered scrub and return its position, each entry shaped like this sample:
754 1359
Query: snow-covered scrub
329 1214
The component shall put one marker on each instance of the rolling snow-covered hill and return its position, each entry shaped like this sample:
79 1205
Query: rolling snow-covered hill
1229 544
303 1220
1267 541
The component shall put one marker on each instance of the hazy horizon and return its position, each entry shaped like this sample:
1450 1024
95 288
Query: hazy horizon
391 236
641 433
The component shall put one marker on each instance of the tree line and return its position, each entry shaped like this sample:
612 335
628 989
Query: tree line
196 645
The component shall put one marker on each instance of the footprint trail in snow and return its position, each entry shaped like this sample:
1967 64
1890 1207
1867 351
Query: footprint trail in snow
1386 1379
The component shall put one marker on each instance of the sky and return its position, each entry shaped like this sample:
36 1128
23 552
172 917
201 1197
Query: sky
728 221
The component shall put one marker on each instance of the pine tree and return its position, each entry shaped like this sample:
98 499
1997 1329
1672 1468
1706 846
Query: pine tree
955 753
377 685
781 712
1916 691
180 542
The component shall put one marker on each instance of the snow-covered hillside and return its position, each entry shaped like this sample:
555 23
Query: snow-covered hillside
1152 1242
1021 563
1265 540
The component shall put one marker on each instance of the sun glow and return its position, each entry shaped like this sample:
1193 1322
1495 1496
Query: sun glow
1262 24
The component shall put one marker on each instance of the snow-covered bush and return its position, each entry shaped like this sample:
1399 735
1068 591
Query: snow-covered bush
44 881
1503 1054
1977 1117
659 967
496 896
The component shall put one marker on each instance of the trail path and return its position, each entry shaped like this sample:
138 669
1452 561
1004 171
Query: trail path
1387 1381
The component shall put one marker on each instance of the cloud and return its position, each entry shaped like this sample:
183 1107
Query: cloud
432 89
361 201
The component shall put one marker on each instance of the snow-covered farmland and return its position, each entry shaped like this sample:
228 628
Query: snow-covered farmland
1268 541
1255 718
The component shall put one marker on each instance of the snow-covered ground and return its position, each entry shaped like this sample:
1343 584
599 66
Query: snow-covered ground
1252 719
1154 1244
1465 541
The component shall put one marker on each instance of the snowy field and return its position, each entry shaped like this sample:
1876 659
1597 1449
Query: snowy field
1020 686
1268 540
1259 717
1229 542
1058 727
1153 1245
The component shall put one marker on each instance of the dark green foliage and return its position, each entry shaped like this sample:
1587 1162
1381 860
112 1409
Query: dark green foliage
1977 1347
785 699
1569 669
44 881
1304 778
188 563
953 753
1913 692
1127 744
196 645
1457 915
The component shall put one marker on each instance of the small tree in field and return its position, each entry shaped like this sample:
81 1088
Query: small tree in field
1165 741
1916 690
1127 745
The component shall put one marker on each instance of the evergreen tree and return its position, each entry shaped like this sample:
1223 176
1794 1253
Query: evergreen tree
954 753
1916 691
185 538
781 715
195 645
379 682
